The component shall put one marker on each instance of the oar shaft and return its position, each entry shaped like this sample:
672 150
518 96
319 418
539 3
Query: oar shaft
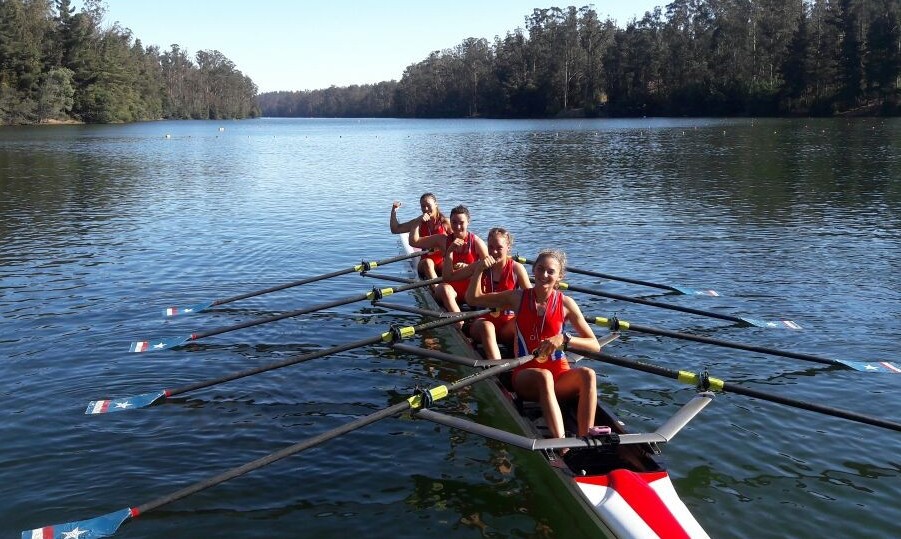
314 355
693 379
650 303
813 407
313 279
400 407
307 310
265 368
276 456
283 286
718 342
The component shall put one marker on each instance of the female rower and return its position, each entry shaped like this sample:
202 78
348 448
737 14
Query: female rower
431 223
461 248
504 274
540 314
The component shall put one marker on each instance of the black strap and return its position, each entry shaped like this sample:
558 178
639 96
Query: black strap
614 323
425 397
395 331
704 380
377 294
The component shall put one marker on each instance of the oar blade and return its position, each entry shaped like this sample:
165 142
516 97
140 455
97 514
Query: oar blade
888 367
184 311
694 292
158 344
102 526
125 403
787 324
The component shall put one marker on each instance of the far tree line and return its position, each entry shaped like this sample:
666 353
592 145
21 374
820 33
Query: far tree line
56 64
695 57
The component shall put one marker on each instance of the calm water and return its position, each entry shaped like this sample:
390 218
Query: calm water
103 226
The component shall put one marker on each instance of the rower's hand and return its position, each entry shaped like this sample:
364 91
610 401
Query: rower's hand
396 204
426 218
548 347
488 261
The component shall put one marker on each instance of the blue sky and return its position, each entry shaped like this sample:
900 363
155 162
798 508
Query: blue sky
309 44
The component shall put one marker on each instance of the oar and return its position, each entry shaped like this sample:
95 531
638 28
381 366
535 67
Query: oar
706 382
164 343
361 267
670 287
739 319
108 524
873 366
146 399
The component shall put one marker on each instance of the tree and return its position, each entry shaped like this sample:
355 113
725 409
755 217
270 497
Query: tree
883 62
796 69
56 95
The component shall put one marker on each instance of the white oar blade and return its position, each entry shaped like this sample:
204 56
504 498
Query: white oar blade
182 311
158 344
102 526
120 405
693 292
788 324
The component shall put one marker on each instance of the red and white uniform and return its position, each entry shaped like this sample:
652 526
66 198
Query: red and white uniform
431 228
507 281
466 254
531 329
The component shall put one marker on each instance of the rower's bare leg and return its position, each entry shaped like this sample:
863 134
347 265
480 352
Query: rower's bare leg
538 385
483 331
505 334
448 297
581 382
427 271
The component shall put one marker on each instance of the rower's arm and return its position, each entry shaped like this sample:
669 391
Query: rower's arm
522 276
586 338
435 241
398 227
505 300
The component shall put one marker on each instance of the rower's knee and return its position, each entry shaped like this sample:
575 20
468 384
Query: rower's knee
443 292
545 381
587 379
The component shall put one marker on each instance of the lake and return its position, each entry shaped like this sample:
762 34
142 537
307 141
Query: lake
104 226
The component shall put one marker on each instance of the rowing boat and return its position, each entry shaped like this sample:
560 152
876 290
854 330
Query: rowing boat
615 483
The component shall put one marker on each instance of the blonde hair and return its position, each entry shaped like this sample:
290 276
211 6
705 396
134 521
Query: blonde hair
503 233
557 255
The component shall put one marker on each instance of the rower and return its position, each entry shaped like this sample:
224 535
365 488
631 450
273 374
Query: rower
504 274
540 314
431 223
461 249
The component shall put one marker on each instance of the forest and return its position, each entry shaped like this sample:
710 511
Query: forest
689 58
57 65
